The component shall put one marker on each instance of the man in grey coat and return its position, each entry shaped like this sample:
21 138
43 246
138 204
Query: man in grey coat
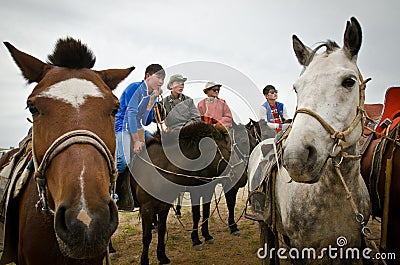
179 108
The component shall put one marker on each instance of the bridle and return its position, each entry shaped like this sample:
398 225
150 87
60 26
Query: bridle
340 136
57 147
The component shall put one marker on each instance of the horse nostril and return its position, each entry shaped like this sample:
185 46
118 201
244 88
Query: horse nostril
60 225
311 156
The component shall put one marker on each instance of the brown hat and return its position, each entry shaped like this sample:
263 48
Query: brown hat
176 77
210 85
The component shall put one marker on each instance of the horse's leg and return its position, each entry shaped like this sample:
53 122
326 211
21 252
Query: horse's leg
111 249
147 216
230 197
178 213
162 228
204 227
267 240
195 200
154 223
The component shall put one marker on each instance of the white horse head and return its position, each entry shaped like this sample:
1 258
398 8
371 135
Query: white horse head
328 100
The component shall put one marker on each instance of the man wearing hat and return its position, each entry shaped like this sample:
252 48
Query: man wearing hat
214 109
179 108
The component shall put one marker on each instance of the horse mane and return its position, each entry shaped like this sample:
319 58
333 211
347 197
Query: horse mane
72 54
191 133
328 44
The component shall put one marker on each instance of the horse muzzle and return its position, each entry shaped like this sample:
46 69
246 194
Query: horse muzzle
303 164
83 234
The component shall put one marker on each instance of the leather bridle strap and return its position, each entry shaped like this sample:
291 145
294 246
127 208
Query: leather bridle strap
341 135
62 143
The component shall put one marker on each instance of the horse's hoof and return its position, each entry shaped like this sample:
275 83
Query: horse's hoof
236 233
210 241
198 247
165 260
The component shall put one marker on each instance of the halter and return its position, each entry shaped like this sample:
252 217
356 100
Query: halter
340 136
58 146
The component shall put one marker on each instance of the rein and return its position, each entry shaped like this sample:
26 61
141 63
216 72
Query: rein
58 146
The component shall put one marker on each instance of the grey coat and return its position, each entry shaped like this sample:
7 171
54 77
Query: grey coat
180 111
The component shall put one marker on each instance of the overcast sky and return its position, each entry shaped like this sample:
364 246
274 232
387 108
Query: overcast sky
247 38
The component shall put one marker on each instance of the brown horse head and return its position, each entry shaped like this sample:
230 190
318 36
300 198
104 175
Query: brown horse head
73 110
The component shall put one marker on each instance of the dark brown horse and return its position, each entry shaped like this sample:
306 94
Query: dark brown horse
243 142
193 160
380 168
64 213
260 130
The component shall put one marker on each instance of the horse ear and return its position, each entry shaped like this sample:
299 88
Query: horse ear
352 38
112 77
302 52
32 69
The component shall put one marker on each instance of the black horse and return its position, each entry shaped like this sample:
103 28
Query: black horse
173 162
243 142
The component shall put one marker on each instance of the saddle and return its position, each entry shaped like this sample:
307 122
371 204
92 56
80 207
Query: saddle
372 146
391 112
261 196
15 170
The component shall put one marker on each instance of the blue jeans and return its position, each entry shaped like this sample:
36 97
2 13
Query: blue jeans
123 153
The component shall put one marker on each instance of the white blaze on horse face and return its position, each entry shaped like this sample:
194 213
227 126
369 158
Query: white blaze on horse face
83 215
73 91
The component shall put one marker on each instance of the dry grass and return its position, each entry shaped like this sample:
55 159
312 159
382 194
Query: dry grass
228 249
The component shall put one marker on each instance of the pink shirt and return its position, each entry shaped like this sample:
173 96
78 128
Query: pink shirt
217 109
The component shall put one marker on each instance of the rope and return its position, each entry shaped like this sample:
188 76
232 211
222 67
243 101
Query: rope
205 179
365 230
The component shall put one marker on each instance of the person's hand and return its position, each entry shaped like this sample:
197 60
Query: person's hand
287 121
137 146
157 92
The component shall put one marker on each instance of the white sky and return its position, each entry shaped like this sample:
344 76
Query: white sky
252 37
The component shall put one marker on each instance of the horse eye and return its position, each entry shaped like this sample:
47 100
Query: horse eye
32 109
348 83
115 110
294 89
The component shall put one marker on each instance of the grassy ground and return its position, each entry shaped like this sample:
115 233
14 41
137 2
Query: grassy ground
228 249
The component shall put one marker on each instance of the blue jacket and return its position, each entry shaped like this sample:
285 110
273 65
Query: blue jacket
279 106
133 108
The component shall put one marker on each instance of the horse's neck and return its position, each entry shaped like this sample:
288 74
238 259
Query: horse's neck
349 168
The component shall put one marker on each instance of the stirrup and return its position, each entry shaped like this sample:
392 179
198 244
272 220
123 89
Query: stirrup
255 210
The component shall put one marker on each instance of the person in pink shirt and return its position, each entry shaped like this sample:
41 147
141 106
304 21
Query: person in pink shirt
214 109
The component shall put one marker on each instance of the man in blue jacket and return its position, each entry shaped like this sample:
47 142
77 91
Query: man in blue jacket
136 109
272 111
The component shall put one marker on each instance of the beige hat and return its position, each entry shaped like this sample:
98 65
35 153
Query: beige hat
210 85
176 77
